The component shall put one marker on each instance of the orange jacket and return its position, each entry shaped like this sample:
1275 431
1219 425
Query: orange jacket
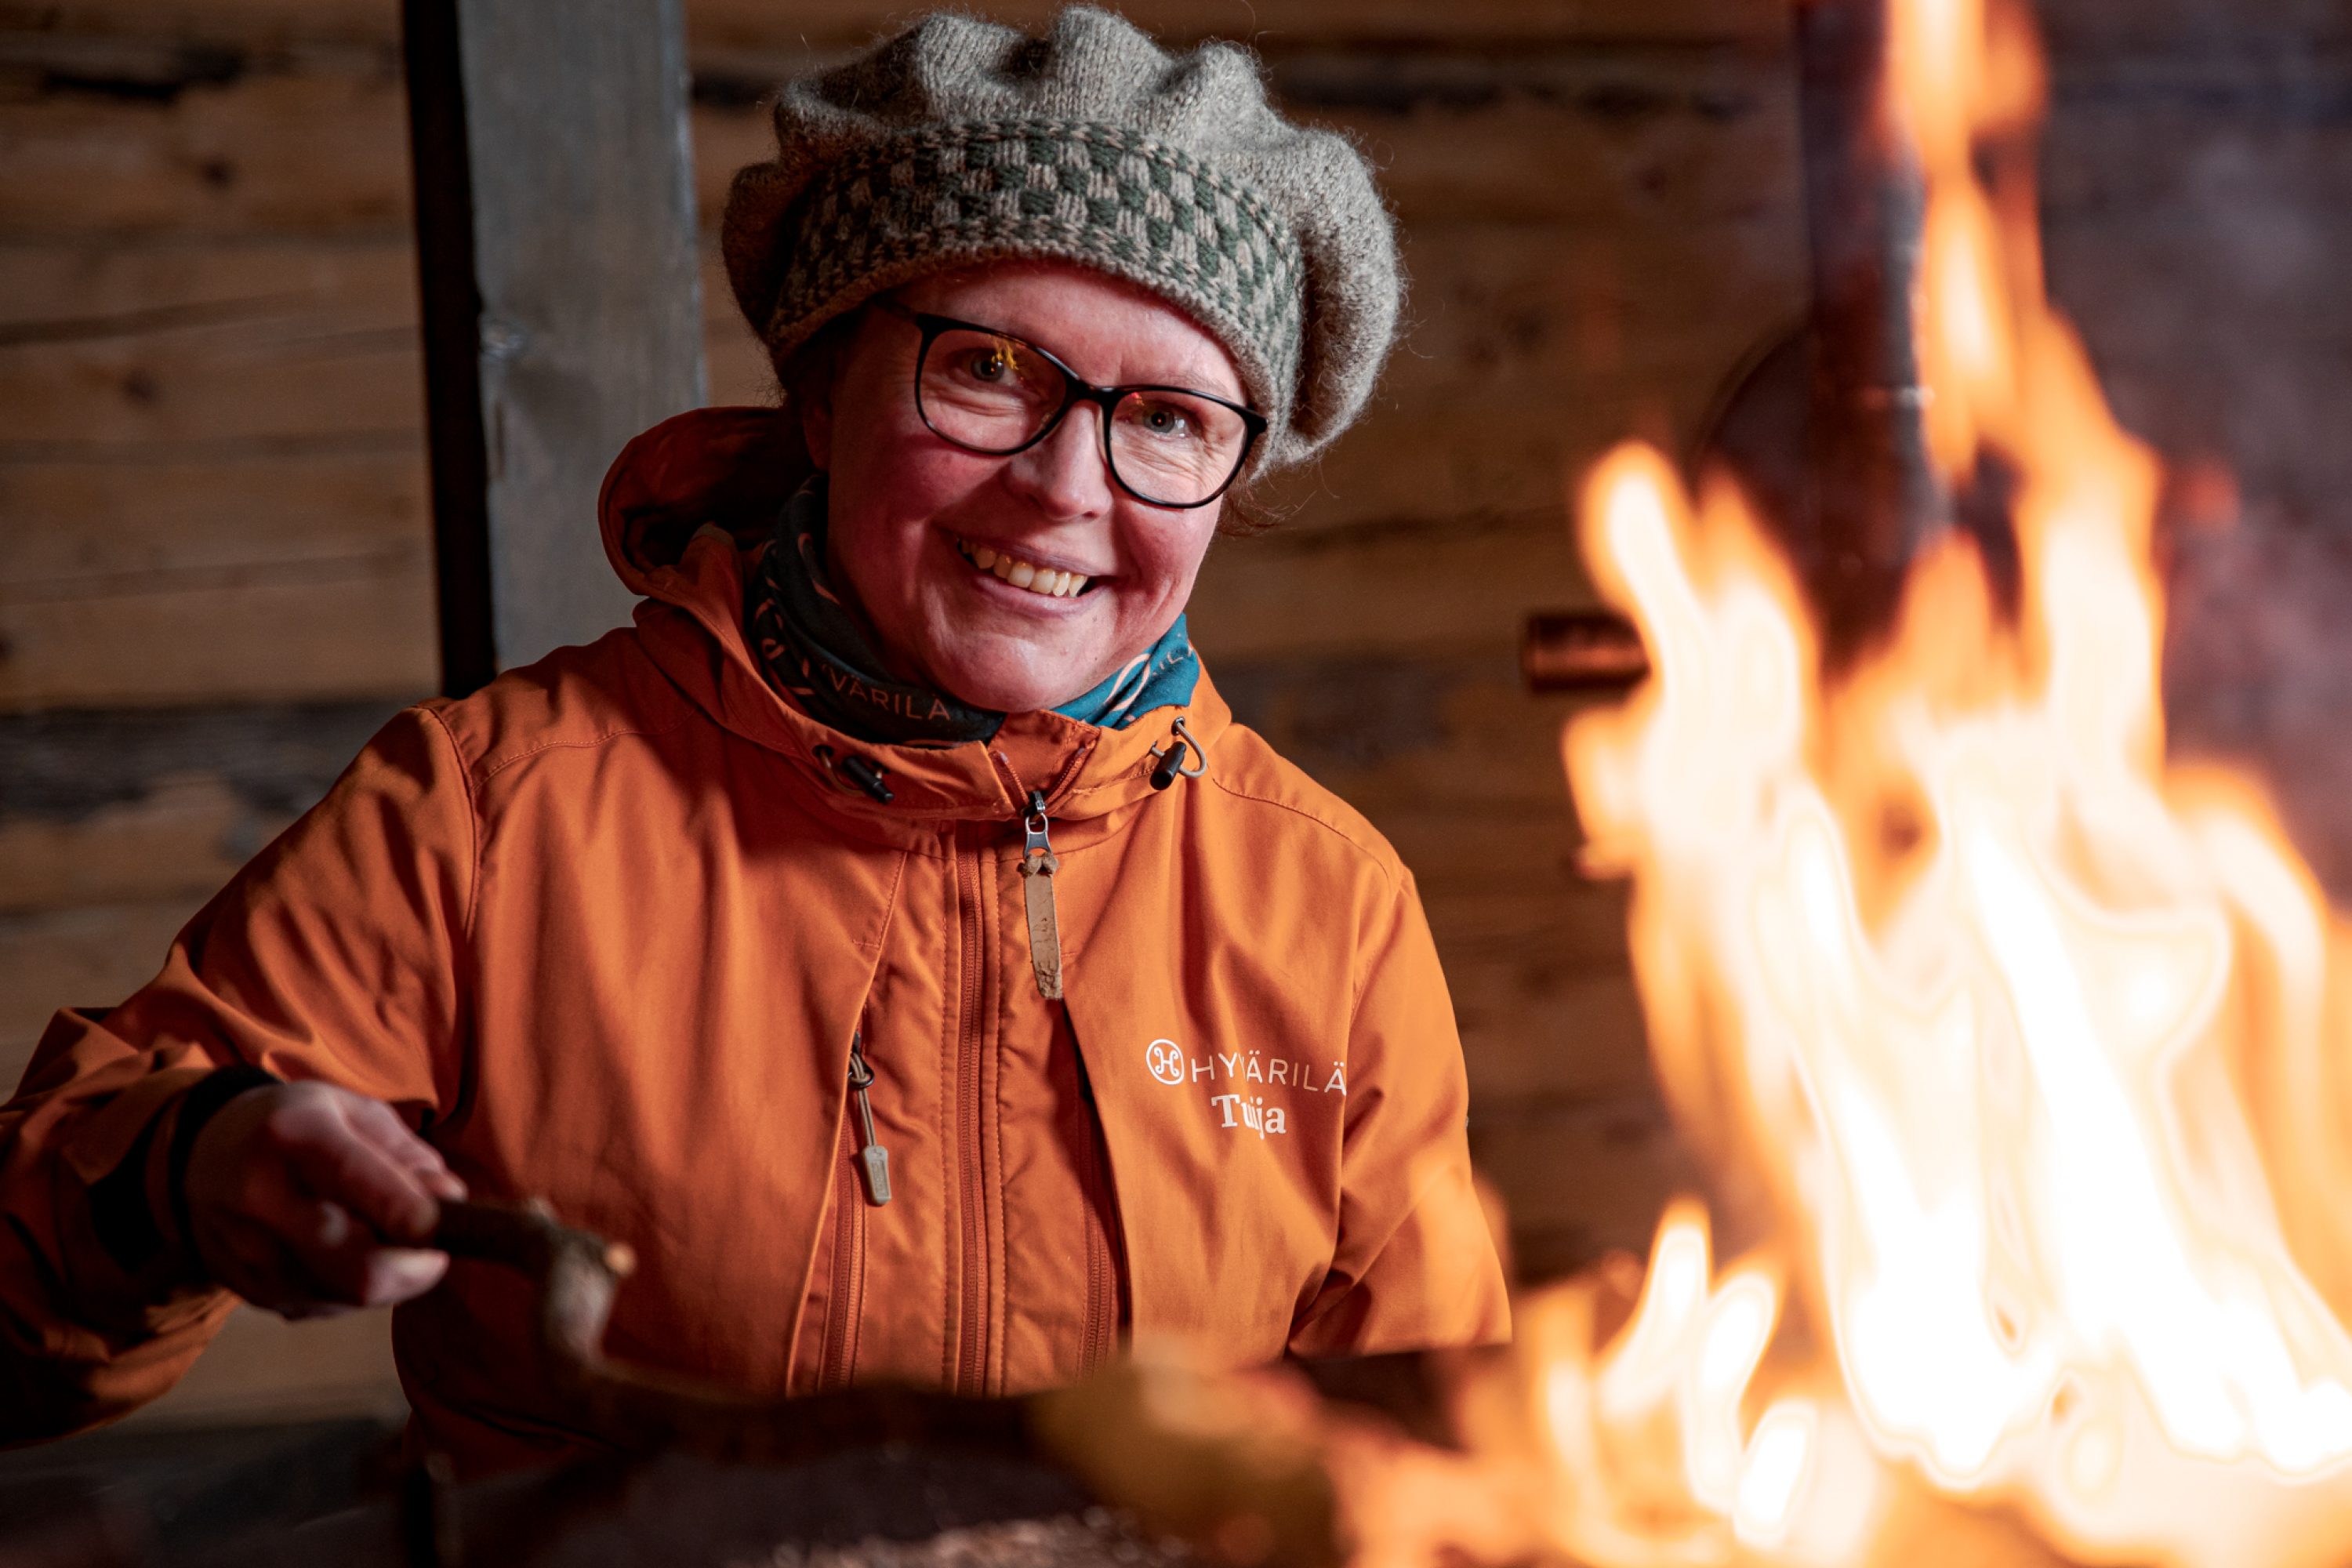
606 931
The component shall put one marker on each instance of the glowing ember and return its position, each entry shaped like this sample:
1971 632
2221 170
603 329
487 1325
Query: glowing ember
2023 1029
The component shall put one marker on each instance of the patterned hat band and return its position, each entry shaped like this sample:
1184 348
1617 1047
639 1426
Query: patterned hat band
1098 195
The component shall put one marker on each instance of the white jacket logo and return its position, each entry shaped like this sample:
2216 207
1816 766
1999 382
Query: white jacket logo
1239 1108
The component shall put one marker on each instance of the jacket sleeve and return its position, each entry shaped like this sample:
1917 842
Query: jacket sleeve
1415 1266
335 954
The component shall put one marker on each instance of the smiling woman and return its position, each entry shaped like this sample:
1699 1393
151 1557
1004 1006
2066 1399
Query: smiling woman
1084 573
890 936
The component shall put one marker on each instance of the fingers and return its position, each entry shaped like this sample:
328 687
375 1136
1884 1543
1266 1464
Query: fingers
346 1262
294 1192
336 1268
362 1157
382 1126
306 1256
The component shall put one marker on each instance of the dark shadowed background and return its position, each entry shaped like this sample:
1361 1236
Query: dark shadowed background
216 577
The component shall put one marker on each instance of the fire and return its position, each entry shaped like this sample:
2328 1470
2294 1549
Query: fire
2018 1031
2010 1038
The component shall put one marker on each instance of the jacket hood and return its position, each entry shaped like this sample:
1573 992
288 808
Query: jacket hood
683 506
734 468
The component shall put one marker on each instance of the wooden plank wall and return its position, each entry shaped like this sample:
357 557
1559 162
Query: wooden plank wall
216 577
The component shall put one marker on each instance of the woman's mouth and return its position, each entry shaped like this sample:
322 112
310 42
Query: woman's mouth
1024 575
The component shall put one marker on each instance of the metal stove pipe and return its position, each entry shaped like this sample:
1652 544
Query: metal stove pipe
1868 497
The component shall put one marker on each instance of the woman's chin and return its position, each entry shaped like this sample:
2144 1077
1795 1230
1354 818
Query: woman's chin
1021 689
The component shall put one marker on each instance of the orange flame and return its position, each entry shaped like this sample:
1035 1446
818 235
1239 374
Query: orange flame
2021 1029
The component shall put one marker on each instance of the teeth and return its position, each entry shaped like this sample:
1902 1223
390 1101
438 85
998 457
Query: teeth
1044 580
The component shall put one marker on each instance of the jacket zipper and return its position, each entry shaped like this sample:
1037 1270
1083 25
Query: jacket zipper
1098 1336
874 1161
967 1374
846 1301
1102 1269
1103 1314
966 1371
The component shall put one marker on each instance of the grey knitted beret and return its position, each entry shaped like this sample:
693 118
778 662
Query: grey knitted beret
959 140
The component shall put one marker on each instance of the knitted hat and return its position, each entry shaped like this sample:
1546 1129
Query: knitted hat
959 140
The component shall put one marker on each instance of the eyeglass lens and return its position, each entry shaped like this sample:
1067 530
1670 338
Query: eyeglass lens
994 394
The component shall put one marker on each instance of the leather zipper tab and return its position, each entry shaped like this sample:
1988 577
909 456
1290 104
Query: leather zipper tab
872 1158
1038 864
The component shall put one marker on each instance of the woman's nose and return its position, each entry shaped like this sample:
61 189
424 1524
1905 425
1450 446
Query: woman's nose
1064 476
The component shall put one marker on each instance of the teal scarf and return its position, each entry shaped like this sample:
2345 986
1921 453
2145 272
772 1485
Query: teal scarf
817 652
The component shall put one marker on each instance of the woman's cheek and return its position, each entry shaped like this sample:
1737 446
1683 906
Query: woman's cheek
1167 550
882 520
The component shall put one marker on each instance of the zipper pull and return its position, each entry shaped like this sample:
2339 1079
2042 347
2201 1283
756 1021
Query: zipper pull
1170 764
873 1157
1038 864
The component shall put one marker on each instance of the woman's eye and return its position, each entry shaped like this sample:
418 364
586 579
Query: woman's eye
987 364
1163 420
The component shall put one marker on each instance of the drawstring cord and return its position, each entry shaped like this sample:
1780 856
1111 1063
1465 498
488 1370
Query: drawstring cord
1170 760
866 775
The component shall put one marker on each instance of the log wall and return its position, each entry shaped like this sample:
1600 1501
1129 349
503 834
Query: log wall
217 576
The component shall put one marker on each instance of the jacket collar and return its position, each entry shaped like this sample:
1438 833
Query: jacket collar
683 507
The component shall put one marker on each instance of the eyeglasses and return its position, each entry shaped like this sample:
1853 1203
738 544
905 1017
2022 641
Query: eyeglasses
991 393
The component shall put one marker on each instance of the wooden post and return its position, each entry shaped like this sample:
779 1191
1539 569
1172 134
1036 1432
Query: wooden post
556 257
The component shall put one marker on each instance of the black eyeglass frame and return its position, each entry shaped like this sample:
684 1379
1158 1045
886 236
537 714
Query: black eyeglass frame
1077 389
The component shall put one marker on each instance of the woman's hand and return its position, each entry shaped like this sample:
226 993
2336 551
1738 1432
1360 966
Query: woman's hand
308 1199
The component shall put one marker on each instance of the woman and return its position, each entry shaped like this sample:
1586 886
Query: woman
891 936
